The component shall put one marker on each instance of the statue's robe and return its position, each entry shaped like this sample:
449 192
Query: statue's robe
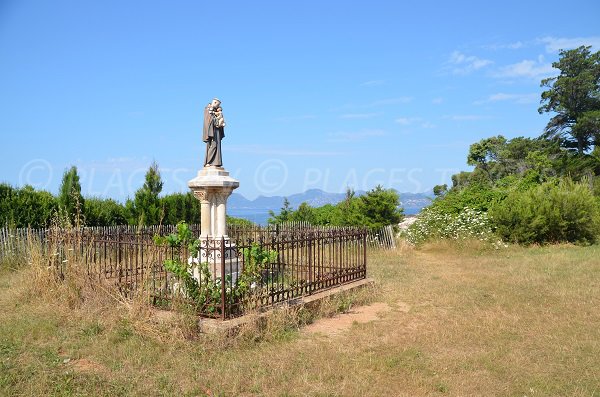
212 135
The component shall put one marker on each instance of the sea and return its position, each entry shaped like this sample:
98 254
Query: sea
258 216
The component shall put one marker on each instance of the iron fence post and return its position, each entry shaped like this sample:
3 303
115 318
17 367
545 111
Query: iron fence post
223 278
309 242
365 252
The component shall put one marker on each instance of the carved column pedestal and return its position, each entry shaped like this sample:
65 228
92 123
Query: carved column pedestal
212 187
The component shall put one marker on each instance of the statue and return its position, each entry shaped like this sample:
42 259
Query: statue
212 187
213 132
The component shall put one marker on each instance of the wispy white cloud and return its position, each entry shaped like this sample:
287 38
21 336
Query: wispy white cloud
295 118
282 151
460 63
555 44
377 103
551 44
515 46
406 121
527 68
355 136
360 115
372 83
522 99
505 46
466 117
437 101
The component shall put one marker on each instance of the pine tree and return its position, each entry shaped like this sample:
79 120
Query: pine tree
574 97
145 208
70 200
285 214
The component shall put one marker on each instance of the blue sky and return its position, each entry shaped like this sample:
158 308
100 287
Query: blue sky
315 94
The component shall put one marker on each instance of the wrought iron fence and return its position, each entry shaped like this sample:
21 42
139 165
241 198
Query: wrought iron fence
254 268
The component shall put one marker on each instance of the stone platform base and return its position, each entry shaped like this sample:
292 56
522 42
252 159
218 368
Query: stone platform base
211 251
210 325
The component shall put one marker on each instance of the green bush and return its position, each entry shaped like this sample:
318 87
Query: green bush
26 207
376 208
553 212
204 292
104 212
459 214
435 223
479 197
596 188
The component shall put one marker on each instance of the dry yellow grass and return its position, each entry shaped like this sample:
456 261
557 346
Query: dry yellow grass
464 321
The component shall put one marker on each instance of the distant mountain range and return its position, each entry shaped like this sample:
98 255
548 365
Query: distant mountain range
412 202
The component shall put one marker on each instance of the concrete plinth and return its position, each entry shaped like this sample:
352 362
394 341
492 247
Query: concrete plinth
219 253
213 186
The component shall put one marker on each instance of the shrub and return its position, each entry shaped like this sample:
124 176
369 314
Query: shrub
381 207
376 208
203 289
477 196
104 212
458 215
30 207
434 222
553 212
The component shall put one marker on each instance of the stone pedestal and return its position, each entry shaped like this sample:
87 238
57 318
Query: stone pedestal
213 186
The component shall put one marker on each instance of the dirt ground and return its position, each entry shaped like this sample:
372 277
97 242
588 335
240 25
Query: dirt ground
342 322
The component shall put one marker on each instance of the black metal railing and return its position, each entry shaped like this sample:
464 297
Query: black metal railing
251 269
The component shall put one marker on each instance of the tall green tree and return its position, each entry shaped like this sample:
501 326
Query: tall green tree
381 207
70 200
496 157
304 213
482 153
285 214
440 190
350 211
574 97
145 208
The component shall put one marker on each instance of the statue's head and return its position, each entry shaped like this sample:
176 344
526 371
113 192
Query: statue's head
216 102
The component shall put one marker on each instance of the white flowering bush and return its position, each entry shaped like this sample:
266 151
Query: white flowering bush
433 223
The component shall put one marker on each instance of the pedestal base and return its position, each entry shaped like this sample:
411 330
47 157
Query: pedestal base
212 186
221 256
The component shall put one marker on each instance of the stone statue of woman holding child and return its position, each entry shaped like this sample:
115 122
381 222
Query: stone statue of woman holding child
213 132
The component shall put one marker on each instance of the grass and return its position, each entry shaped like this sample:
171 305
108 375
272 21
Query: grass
510 322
